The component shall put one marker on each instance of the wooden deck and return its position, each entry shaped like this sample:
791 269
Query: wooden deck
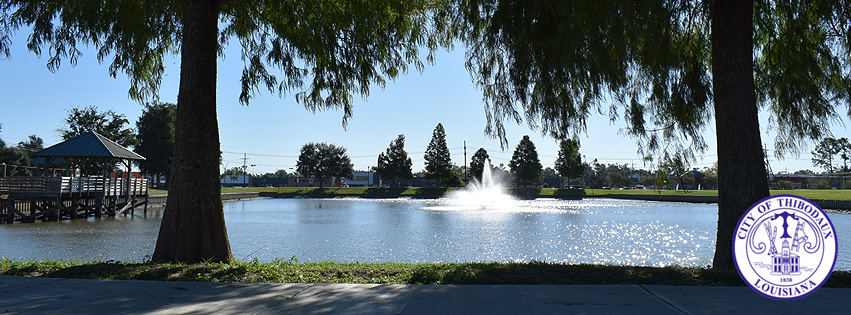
28 199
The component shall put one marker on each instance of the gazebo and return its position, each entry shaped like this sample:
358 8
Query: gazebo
48 197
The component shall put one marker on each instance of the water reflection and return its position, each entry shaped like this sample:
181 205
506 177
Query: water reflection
399 230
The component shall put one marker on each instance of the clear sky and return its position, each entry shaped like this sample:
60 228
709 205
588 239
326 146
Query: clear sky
272 130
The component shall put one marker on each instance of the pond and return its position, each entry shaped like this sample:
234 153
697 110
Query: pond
605 231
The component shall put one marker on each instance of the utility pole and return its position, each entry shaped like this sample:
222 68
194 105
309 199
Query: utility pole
244 167
465 161
253 171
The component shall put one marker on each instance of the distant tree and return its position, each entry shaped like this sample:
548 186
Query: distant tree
822 184
569 161
617 180
395 163
32 145
677 165
661 179
156 138
647 179
549 173
525 163
108 124
477 163
785 185
804 172
824 153
14 158
16 161
438 163
710 181
234 173
844 147
322 160
456 177
276 174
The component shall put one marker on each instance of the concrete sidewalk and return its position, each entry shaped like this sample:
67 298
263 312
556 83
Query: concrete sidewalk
21 295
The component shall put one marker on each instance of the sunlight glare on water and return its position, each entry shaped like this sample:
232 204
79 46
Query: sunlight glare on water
601 231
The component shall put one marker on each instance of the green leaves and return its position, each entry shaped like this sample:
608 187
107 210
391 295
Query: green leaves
802 67
109 124
135 35
324 50
322 160
156 138
328 50
558 62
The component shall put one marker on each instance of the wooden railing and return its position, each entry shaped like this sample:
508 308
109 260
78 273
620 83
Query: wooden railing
30 186
47 186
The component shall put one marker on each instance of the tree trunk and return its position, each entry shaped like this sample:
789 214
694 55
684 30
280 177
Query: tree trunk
741 164
193 227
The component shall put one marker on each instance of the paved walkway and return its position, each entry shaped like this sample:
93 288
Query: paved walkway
20 295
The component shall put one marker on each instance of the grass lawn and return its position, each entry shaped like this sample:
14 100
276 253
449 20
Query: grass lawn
291 271
806 193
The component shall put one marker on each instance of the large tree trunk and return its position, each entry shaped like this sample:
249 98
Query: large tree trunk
193 226
741 167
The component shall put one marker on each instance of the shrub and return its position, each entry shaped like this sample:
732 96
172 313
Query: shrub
785 185
846 185
527 193
822 184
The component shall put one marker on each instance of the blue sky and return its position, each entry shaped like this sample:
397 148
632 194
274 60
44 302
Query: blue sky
272 130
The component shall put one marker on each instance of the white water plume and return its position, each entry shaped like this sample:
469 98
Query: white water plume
489 193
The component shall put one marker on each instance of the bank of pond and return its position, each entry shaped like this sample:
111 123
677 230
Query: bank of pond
291 271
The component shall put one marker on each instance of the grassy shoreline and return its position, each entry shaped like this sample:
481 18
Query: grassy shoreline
291 271
543 193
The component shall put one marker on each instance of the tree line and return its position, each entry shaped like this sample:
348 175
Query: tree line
153 138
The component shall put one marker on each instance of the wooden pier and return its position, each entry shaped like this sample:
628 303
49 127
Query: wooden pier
30 199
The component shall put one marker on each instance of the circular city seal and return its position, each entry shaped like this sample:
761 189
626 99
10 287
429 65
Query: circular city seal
785 247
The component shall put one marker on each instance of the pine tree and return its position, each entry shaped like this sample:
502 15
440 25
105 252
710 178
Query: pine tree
477 163
525 163
438 164
395 163
569 162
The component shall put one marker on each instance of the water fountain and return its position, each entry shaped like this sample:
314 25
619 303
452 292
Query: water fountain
489 193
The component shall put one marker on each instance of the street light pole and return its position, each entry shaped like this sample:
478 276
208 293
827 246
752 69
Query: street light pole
252 173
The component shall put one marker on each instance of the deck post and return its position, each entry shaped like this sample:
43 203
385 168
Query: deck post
99 205
58 210
75 207
10 206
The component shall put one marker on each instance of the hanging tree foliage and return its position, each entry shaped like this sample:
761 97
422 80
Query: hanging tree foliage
326 50
666 68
